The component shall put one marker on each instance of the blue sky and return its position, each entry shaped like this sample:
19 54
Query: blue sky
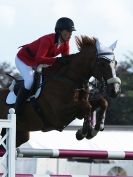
22 21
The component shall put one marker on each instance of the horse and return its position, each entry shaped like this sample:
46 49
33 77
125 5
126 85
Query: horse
58 104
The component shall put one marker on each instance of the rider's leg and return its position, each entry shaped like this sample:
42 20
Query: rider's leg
22 96
24 92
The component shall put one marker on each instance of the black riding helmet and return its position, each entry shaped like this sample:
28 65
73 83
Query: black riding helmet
64 23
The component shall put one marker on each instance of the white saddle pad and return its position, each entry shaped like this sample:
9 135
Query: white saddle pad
11 97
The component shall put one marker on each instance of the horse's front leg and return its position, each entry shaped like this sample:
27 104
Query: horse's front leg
101 114
81 98
83 131
86 114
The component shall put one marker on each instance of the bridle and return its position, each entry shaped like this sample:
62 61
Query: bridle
104 56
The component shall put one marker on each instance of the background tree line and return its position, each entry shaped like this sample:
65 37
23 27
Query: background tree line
120 111
6 69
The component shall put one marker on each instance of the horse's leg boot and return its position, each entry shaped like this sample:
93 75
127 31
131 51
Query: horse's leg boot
22 96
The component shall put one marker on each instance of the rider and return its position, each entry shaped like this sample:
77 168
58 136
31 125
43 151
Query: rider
42 51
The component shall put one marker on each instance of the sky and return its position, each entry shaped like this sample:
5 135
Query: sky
23 21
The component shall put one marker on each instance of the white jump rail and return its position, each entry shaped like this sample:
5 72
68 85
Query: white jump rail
8 144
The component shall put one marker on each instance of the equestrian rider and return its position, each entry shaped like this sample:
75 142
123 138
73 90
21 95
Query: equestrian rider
42 51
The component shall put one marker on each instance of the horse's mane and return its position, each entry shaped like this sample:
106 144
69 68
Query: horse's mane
85 41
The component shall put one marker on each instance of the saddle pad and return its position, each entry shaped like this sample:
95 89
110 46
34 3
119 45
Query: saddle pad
11 97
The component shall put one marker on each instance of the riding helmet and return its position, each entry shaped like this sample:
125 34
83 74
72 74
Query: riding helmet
64 23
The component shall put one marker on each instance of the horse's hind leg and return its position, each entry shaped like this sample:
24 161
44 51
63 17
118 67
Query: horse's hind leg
21 137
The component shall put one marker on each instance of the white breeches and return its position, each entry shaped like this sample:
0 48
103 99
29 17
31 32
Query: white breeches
26 72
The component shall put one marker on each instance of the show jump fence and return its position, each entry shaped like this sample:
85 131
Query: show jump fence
8 144
9 152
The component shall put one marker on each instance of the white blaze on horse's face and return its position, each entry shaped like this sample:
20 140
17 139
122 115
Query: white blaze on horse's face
114 79
112 64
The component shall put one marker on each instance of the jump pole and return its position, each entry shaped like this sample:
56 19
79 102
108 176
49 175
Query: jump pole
64 153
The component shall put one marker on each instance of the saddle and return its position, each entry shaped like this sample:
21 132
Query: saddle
18 82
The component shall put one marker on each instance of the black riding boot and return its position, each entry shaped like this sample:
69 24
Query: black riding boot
22 96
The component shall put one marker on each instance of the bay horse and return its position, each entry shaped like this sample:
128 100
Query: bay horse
58 104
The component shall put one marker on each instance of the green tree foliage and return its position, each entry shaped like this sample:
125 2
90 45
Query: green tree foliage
5 69
120 111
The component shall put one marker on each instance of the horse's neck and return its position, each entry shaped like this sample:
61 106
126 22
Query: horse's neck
53 70
96 73
80 68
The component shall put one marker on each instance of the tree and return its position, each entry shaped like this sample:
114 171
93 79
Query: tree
121 109
6 69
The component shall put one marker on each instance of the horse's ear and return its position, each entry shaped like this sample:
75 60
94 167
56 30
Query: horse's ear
97 42
98 45
113 46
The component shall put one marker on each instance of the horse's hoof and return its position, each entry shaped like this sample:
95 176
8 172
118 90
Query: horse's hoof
91 134
97 127
101 129
79 135
101 126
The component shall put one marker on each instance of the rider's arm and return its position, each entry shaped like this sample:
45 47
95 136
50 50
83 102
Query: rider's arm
42 53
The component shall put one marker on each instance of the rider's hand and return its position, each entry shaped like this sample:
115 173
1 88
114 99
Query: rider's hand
40 67
62 60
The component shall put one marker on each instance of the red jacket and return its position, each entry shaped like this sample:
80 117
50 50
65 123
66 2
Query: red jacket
42 51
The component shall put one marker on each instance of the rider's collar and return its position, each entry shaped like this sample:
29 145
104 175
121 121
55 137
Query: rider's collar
57 36
58 39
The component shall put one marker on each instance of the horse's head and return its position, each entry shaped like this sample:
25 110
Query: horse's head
106 68
98 61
